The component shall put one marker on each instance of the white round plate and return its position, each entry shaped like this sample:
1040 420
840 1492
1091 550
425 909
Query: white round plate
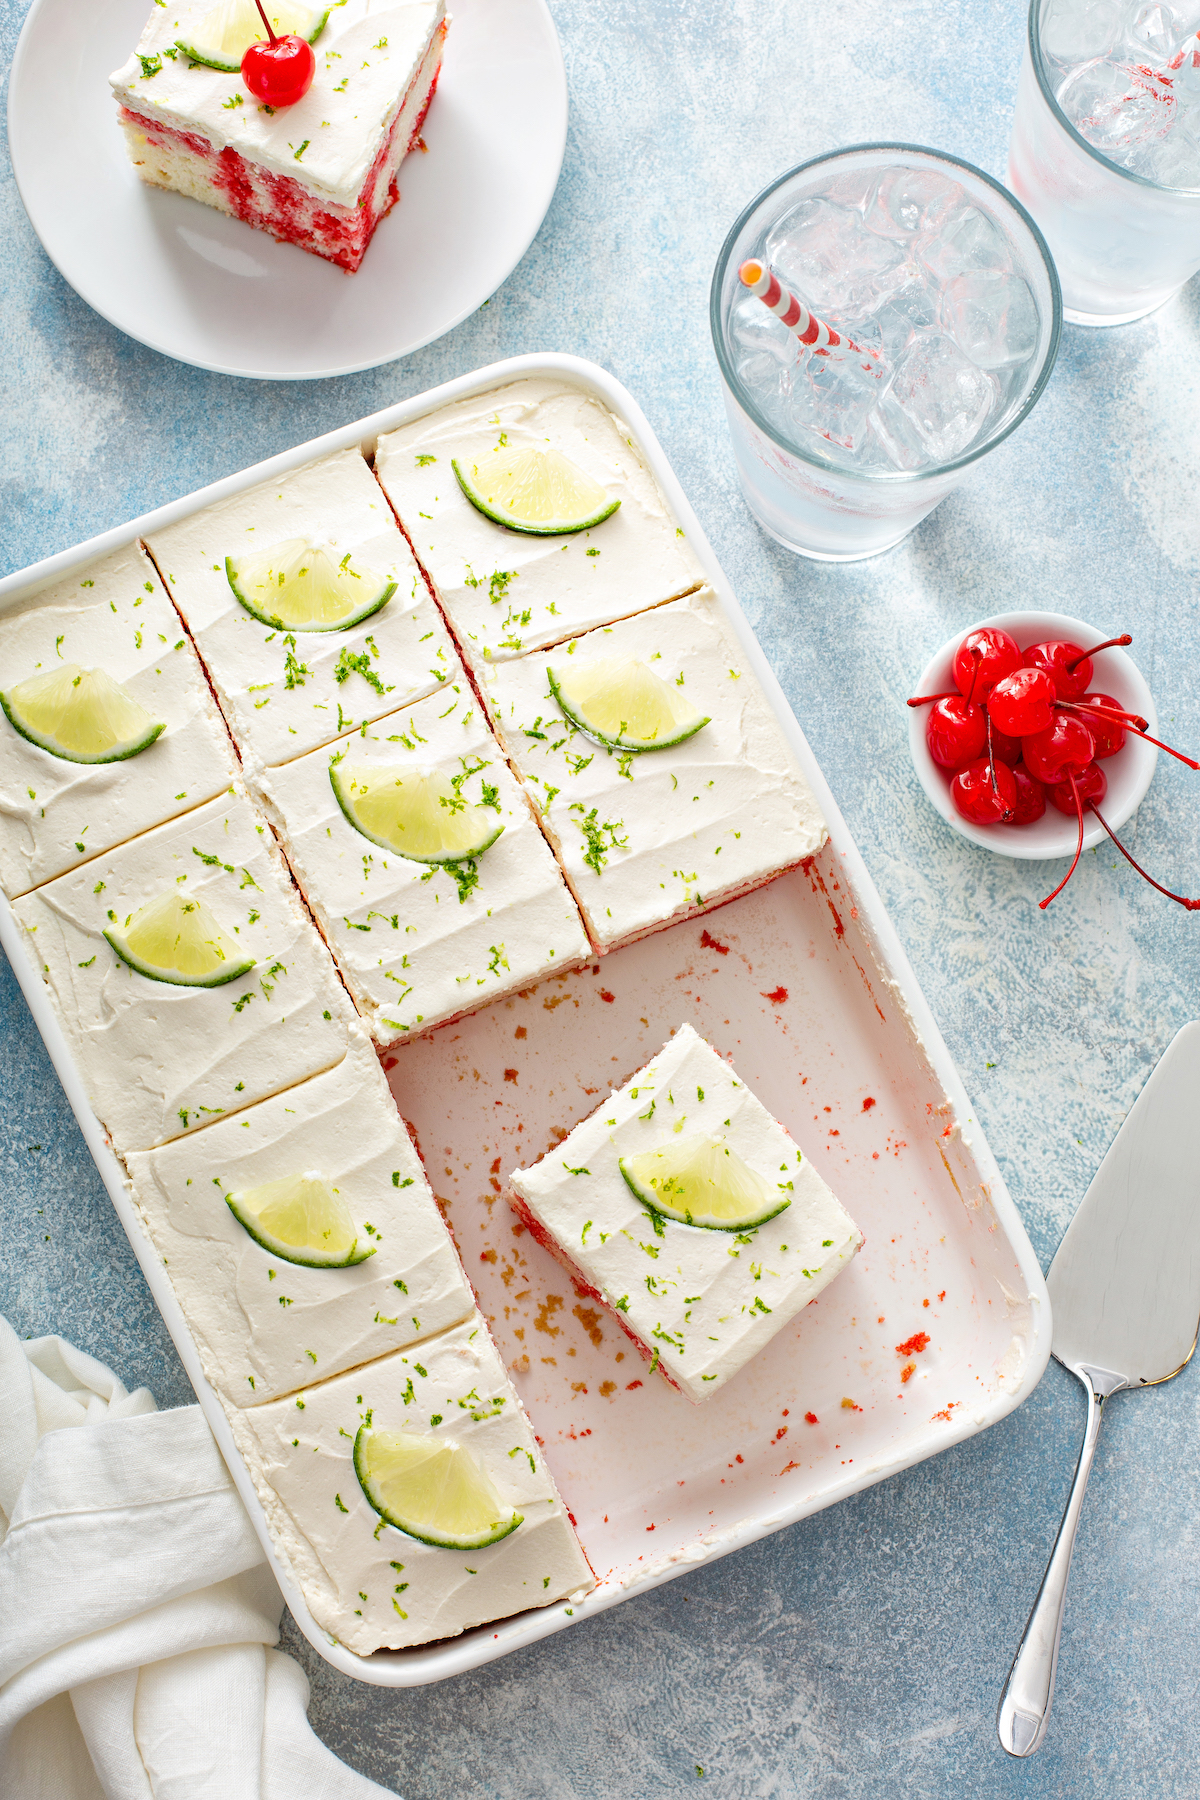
1129 772
210 290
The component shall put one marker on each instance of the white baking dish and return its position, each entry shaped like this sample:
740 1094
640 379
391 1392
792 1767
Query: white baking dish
655 1484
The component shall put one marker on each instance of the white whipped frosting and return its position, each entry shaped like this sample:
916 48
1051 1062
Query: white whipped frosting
367 1583
112 615
704 1301
367 58
158 1060
676 829
265 1327
507 591
407 648
411 952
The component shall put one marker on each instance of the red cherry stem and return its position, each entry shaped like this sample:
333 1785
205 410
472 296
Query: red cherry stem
1043 904
1123 719
924 699
1192 905
271 36
977 653
1133 721
1108 644
991 754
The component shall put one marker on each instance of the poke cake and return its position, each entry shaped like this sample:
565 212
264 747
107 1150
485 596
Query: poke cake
300 1236
657 766
186 975
109 727
534 449
691 1213
306 606
410 1497
320 171
423 865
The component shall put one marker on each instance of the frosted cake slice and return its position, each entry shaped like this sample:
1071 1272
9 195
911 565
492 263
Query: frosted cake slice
158 1058
369 1584
698 1300
320 173
265 1324
109 623
506 591
418 942
284 691
647 837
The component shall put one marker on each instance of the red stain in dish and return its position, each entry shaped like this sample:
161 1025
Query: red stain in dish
777 996
709 942
651 1528
510 1074
811 1419
838 927
947 1410
914 1345
868 1103
781 1433
942 1295
607 997
788 1467
630 1385
908 1371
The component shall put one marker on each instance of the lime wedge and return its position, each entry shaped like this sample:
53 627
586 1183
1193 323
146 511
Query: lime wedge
178 940
82 715
301 1220
701 1181
430 1488
624 704
419 813
535 490
301 586
223 36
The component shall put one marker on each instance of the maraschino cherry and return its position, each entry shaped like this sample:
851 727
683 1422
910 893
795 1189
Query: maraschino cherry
1065 748
1069 667
1031 797
281 71
1022 702
956 730
998 657
985 792
1091 785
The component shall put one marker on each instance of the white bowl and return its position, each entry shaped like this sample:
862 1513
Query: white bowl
1129 772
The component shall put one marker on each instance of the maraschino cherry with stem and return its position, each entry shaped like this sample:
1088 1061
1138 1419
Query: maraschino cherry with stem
1068 666
998 657
1031 797
1022 703
956 729
1127 722
281 71
1092 785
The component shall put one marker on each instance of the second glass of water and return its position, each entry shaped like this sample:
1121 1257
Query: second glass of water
943 315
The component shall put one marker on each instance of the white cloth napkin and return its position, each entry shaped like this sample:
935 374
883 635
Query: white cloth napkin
136 1609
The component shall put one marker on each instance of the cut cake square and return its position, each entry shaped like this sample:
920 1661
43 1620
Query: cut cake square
55 813
369 1584
505 591
321 173
158 1059
285 692
646 839
698 1302
265 1326
419 944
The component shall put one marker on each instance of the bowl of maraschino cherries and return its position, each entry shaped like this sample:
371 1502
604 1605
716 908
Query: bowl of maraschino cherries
1035 735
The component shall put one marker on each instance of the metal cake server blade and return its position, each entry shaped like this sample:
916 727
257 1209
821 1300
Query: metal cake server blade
1125 1293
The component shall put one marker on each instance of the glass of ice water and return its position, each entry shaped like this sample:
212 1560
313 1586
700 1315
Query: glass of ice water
945 301
1105 150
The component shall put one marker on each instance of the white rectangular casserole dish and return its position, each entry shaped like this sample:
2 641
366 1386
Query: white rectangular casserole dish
806 985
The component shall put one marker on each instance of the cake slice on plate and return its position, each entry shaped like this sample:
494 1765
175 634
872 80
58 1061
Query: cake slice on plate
477 906
320 173
301 1237
685 1207
108 728
306 606
658 768
410 1497
507 591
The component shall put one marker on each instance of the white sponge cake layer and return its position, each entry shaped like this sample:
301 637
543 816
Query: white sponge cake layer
367 1583
114 616
157 1059
701 1302
265 1326
418 944
287 692
647 839
507 592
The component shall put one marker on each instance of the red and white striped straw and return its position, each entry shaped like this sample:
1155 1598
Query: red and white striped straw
812 332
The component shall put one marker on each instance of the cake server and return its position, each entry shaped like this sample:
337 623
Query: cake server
1125 1292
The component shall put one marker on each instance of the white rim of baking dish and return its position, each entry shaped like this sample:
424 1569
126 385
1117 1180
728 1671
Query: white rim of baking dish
415 1667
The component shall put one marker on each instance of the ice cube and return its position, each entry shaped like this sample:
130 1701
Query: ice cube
909 200
835 393
967 240
755 328
943 395
1156 33
909 309
824 254
899 441
1075 31
992 317
1117 106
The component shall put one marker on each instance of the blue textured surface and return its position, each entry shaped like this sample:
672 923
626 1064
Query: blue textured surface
859 1653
